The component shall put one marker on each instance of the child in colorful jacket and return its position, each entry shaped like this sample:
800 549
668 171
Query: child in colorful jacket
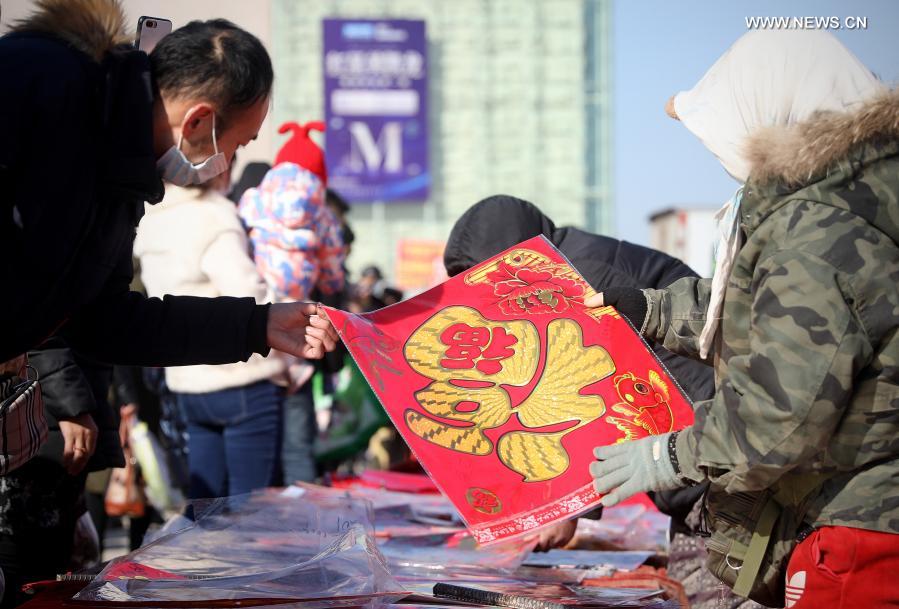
298 248
296 239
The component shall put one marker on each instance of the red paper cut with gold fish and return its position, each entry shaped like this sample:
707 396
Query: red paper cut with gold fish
502 383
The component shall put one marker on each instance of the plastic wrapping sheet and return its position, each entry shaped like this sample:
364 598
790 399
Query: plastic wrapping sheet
589 598
624 527
398 481
433 504
502 383
586 559
624 597
399 514
300 546
422 537
400 521
435 555
423 508
560 575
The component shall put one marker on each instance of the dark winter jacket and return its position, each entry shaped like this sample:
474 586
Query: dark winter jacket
500 222
73 384
76 164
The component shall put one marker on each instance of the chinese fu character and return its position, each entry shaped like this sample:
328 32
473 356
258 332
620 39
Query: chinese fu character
475 399
476 347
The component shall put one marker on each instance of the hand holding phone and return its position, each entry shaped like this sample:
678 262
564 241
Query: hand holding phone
150 30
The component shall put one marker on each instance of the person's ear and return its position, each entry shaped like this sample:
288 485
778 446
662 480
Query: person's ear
197 123
669 109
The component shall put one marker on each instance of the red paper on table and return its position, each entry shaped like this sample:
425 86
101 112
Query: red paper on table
502 383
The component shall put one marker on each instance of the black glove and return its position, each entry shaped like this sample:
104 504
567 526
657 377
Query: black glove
630 302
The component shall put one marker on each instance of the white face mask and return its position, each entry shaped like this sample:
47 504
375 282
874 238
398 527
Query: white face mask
175 168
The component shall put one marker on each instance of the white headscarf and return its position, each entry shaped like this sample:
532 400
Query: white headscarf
767 78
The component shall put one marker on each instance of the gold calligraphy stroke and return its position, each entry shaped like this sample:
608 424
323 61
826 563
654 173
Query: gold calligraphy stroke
570 366
424 351
535 455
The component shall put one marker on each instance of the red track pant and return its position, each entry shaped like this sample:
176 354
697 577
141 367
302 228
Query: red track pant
841 567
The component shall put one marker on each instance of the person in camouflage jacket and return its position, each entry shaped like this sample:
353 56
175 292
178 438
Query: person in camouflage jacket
807 352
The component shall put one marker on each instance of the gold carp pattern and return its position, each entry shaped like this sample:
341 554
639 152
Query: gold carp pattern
644 406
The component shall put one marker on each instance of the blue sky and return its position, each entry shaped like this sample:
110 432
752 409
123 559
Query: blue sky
662 47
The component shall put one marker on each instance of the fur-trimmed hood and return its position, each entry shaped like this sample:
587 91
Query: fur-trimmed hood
94 27
796 155
848 160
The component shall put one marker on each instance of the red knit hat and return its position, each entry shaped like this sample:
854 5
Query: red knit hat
301 150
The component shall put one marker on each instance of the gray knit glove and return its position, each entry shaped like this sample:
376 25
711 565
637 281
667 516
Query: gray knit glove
628 468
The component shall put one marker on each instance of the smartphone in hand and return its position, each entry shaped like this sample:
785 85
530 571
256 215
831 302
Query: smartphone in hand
150 30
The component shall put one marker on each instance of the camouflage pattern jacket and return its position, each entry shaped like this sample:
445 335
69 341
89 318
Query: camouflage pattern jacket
807 355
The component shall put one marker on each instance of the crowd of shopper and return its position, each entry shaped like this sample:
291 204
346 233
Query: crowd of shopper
789 352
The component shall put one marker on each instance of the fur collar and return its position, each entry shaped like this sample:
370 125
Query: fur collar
794 155
93 27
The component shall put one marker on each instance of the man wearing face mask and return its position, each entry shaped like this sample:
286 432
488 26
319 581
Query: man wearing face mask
90 129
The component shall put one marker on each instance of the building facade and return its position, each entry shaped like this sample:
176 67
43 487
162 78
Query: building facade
688 233
518 104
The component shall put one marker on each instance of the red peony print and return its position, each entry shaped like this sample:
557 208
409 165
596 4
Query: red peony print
534 291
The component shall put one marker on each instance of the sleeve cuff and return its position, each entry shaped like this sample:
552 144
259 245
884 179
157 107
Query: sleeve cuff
646 318
257 334
651 323
685 448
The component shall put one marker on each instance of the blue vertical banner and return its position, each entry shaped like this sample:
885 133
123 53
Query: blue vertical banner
376 109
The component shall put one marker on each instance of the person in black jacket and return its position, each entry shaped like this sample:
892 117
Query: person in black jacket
42 501
499 222
75 386
89 127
